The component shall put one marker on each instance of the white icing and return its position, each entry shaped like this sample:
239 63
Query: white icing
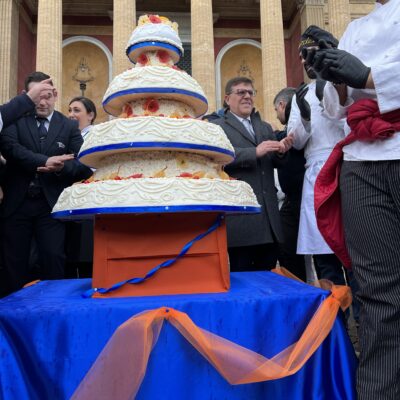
153 77
157 129
156 192
170 164
154 32
149 176
167 108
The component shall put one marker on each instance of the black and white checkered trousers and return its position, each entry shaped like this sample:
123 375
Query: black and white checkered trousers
370 194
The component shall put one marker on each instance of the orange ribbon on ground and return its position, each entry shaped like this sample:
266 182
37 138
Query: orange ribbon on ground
121 366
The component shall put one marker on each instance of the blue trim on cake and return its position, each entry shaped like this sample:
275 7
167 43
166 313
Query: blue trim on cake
152 43
155 90
164 145
86 212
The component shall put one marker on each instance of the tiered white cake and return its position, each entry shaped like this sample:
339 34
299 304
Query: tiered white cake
156 157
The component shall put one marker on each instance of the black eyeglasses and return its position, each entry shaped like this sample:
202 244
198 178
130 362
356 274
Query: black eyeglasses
243 92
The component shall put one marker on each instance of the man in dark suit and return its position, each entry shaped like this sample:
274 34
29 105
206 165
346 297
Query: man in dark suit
252 239
40 152
15 109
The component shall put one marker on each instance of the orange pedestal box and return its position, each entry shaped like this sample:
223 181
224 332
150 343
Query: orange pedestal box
129 246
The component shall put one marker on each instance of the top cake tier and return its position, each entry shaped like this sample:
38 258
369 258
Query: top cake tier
154 33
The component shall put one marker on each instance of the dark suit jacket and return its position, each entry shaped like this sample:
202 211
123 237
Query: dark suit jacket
20 146
16 108
248 230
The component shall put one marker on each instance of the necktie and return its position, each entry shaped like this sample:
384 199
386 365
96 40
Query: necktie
249 127
42 131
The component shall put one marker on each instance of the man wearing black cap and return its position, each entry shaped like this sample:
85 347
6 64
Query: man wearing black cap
317 135
367 63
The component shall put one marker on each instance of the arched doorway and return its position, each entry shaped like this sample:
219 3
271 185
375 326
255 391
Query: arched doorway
97 57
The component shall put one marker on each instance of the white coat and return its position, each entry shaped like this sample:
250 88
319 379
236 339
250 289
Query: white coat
317 137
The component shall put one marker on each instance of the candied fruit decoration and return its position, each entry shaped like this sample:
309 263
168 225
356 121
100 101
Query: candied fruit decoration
223 175
198 174
185 175
143 59
151 105
127 111
155 19
160 174
136 176
163 56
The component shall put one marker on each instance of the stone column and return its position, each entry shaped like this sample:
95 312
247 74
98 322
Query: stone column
9 24
124 22
203 64
311 13
339 16
49 42
273 54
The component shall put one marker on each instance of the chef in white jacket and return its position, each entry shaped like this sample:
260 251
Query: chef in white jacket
368 66
317 134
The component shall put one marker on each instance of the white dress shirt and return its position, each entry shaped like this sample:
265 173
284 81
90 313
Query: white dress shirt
85 131
246 122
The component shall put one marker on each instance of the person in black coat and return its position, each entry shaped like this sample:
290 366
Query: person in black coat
252 239
16 108
40 151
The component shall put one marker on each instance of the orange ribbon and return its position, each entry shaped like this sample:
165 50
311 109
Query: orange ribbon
121 366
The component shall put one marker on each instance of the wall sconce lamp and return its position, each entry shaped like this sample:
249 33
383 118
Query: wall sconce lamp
82 75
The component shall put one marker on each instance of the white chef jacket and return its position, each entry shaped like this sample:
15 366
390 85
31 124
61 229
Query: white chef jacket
375 40
317 137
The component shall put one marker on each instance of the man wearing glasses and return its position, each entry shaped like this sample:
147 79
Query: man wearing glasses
252 239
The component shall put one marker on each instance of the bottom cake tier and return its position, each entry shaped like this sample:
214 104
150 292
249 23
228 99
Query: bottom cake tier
154 195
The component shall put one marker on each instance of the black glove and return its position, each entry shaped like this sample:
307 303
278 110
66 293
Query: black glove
339 66
304 107
319 88
308 54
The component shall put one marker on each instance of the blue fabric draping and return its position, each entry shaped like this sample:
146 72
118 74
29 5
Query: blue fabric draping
50 336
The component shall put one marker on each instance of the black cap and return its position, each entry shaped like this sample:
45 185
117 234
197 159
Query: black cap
313 34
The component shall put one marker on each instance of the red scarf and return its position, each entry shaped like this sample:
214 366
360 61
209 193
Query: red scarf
367 124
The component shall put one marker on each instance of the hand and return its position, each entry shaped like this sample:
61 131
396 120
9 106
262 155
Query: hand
55 163
339 66
286 143
36 90
302 103
267 146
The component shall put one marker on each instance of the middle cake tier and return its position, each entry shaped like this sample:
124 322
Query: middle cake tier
155 133
157 82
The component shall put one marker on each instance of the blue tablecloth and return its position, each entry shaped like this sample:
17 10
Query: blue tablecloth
50 336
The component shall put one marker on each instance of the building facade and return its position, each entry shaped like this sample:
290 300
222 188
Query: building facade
81 43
